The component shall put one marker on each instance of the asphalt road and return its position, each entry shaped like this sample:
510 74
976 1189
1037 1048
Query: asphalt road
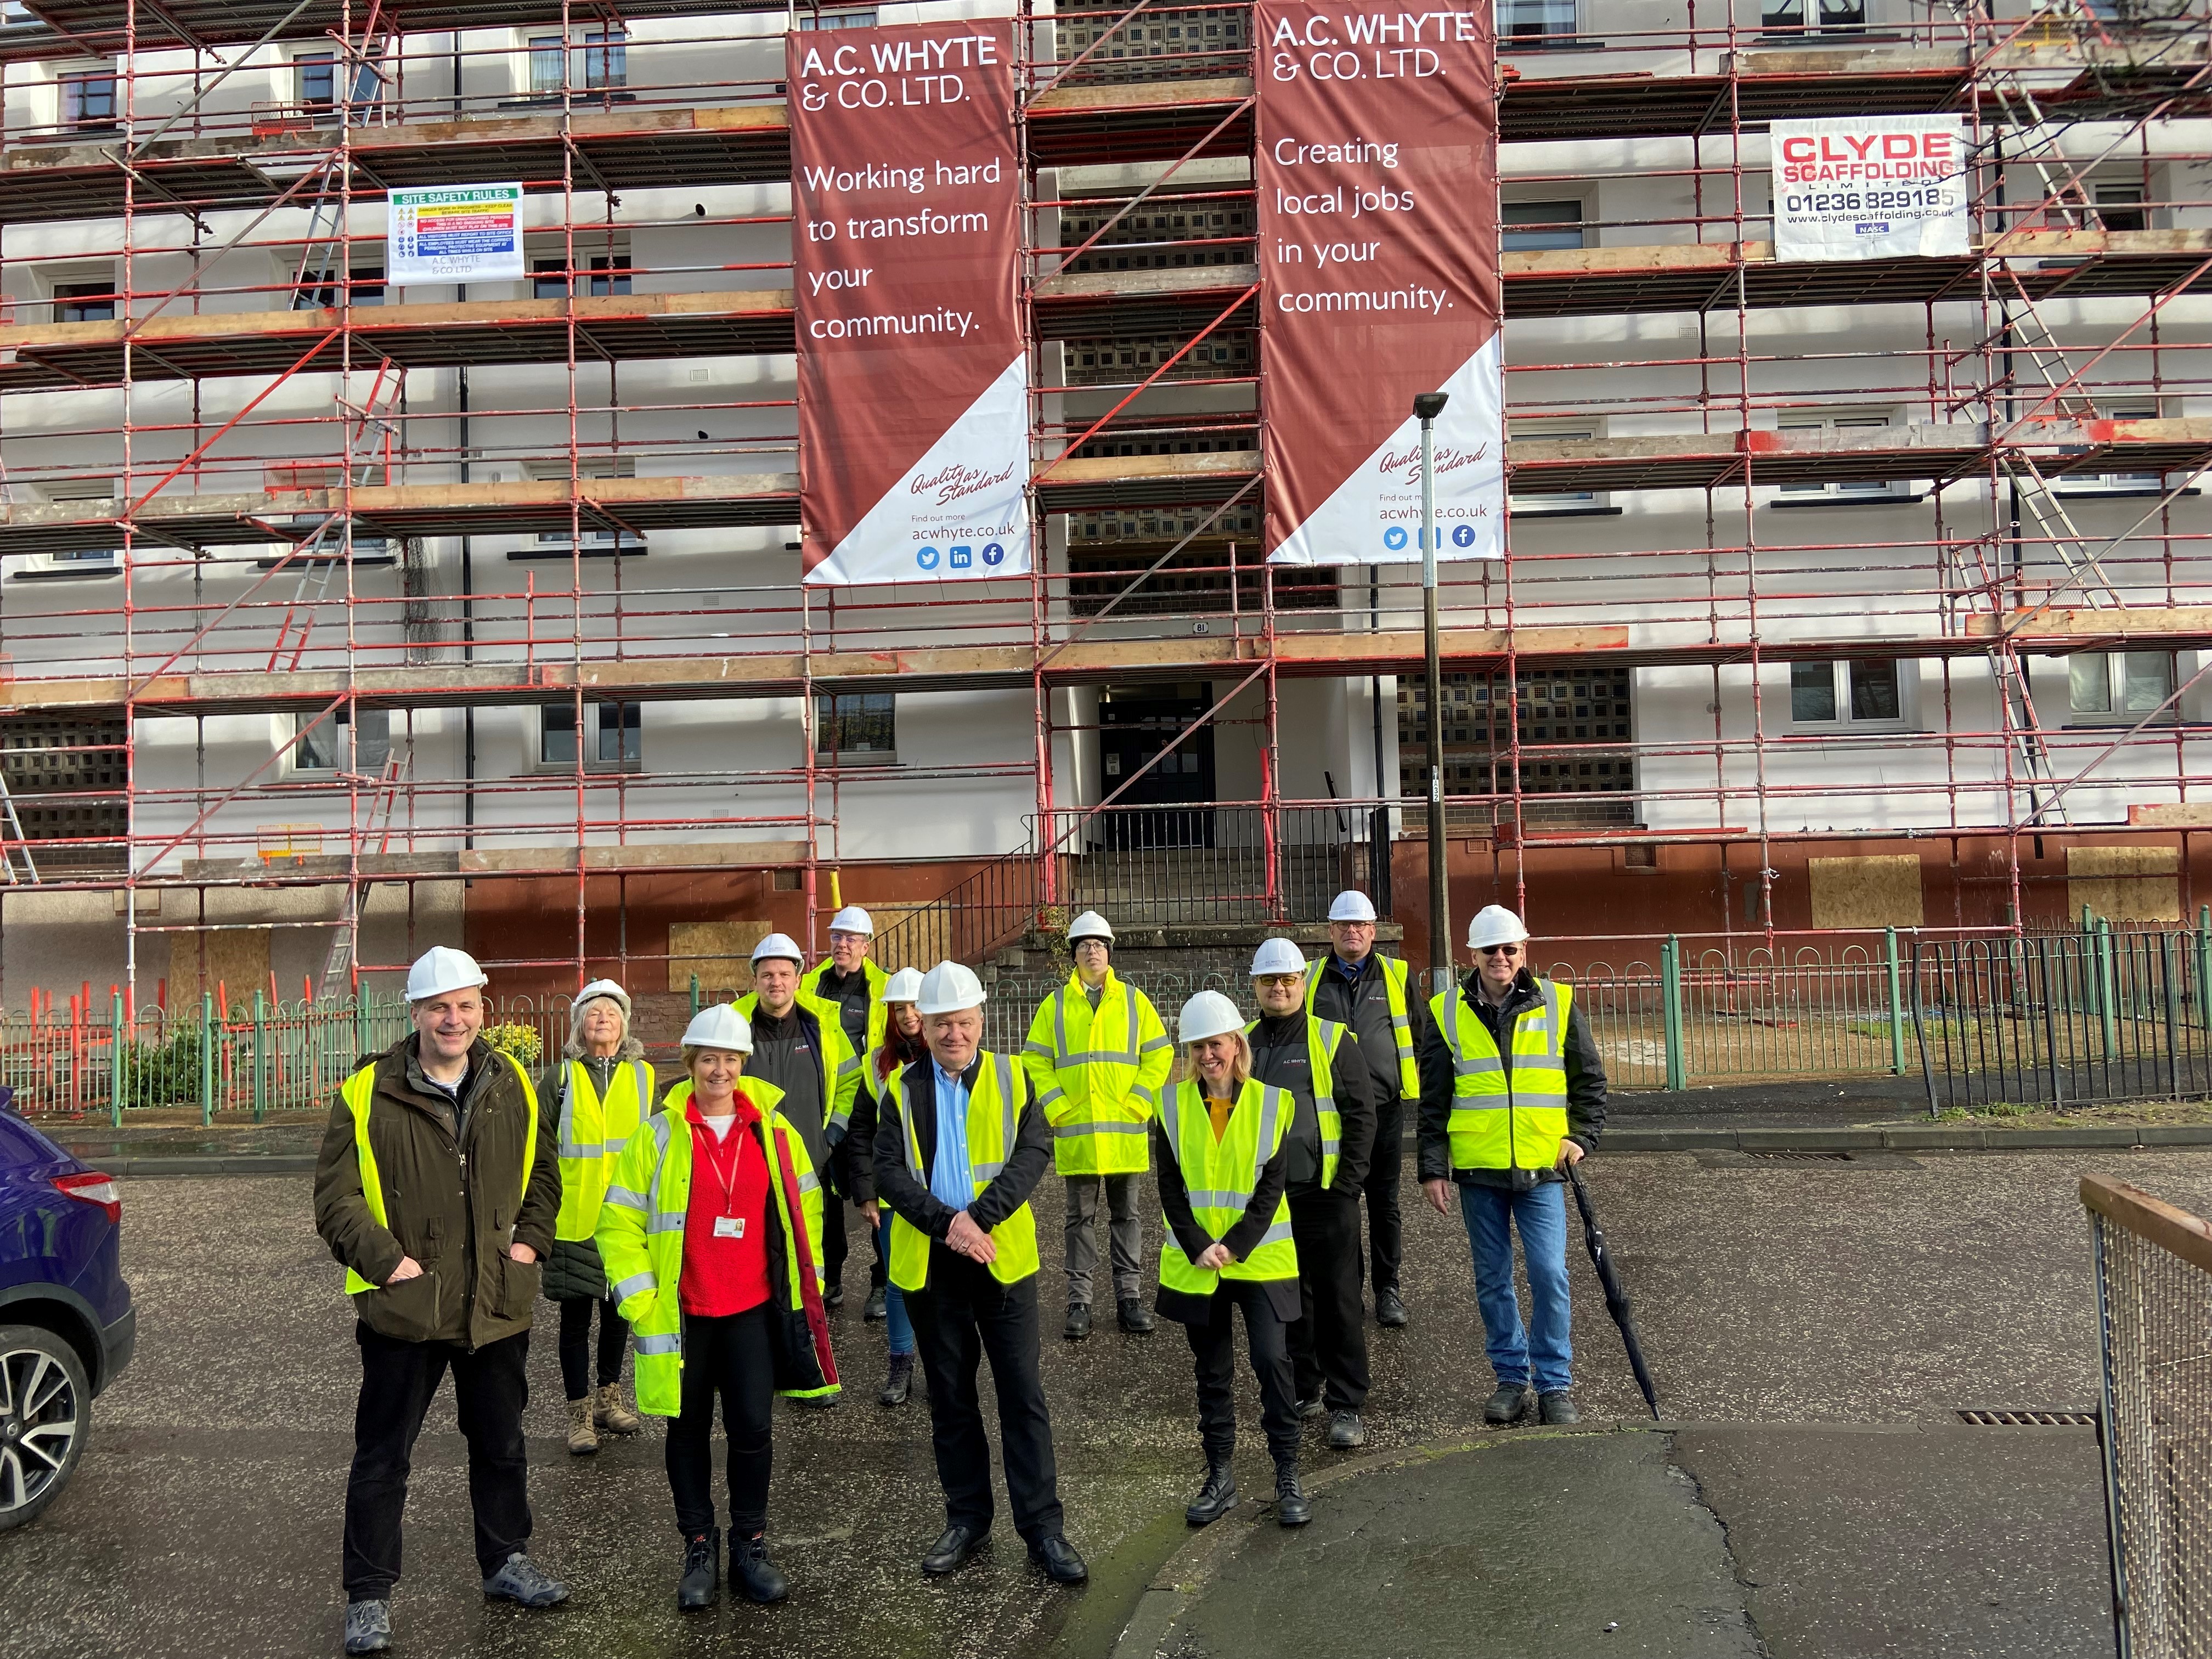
1884 1292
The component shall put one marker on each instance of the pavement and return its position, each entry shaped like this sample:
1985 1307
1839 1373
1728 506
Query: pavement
1815 1329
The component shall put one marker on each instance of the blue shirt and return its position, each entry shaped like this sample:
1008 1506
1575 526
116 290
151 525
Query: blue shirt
949 1177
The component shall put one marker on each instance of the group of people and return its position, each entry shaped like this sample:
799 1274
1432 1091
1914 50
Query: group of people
706 1223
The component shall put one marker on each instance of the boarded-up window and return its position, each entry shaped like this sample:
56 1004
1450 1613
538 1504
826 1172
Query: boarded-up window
224 962
1882 892
718 952
2125 883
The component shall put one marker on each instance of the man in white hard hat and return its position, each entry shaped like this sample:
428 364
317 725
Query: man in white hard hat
1098 1055
962 1144
1512 1095
853 986
1356 986
438 1188
799 1046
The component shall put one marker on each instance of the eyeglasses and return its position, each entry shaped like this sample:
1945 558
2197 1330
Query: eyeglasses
1278 980
1497 950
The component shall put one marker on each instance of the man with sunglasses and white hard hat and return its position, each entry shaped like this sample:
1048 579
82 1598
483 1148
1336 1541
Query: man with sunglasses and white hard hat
853 986
1512 1095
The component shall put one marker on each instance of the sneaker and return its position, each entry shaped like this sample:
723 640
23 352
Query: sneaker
899 1382
368 1626
1310 1409
521 1579
1557 1407
834 1297
1346 1430
877 1308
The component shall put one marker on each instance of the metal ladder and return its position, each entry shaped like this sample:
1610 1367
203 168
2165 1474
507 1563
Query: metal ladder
337 974
18 843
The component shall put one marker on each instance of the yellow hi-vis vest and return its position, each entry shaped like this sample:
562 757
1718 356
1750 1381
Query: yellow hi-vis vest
1402 1022
640 1236
1097 1074
1503 1120
994 1110
1221 1175
879 1013
1324 1038
592 1135
840 1066
358 1091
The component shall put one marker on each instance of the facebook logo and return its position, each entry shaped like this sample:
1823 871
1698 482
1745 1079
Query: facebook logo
1463 536
994 553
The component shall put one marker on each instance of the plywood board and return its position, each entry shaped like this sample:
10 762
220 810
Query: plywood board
236 959
718 952
1878 891
2125 883
2174 815
899 944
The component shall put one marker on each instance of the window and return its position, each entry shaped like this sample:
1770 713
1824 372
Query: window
1812 16
318 79
1865 693
545 64
857 728
84 302
2122 207
600 275
1528 225
2110 684
364 288
614 734
88 100
599 63
1529 21
841 20
328 741
2118 484
1561 500
1850 487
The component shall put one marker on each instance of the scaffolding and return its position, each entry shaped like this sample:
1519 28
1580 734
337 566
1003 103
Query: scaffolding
188 536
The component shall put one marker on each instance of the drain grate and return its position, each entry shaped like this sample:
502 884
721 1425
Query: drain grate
1781 1157
2006 1419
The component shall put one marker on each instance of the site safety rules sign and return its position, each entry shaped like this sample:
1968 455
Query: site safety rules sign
1376 173
461 234
1869 187
914 441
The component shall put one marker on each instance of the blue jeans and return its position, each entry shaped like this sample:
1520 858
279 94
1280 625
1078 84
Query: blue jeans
897 1325
1541 1216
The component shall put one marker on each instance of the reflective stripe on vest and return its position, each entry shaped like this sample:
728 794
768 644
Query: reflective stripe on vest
586 1164
990 1142
1401 1021
359 1091
1503 1119
1220 1178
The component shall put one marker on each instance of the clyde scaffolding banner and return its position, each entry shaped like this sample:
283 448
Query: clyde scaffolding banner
1377 173
913 440
1869 187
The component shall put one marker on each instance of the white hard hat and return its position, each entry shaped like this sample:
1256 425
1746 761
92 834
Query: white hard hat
1351 905
1494 924
779 944
439 970
719 1025
949 988
602 987
1090 925
904 986
1276 956
853 919
1207 1014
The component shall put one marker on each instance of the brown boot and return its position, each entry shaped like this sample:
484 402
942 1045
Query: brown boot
583 1438
610 1414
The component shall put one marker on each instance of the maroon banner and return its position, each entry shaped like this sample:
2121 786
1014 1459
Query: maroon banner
906 238
1376 175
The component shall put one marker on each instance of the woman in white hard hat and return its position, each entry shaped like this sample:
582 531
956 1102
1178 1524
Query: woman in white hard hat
903 1046
711 1231
600 1091
1218 1147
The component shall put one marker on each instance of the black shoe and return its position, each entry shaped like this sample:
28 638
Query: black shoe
368 1626
1310 1409
753 1574
953 1547
702 1571
1292 1507
1059 1560
834 1297
1078 1322
1135 1317
1346 1430
898 1382
1509 1404
1557 1407
877 1308
1390 1310
1216 1497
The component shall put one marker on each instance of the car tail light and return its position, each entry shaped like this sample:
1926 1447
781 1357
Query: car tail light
93 1187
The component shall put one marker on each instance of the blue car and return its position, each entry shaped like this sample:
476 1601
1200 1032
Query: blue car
66 1323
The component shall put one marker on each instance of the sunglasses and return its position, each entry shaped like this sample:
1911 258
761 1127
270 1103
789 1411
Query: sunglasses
1279 979
1497 950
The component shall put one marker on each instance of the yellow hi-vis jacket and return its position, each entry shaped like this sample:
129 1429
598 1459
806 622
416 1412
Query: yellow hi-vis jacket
879 1013
1324 1038
1221 1175
840 1066
592 1134
995 1100
640 1239
1401 1022
1501 1119
1097 1074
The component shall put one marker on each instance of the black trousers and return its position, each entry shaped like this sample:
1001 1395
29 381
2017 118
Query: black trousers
832 1239
398 1381
1214 1348
729 1357
964 1314
1386 1232
576 1345
1328 1340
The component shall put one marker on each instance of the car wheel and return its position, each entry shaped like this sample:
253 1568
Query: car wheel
45 1413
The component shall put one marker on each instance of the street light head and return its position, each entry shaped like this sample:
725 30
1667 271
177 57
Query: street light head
1427 406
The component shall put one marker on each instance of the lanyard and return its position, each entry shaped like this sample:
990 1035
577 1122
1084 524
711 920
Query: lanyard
730 1186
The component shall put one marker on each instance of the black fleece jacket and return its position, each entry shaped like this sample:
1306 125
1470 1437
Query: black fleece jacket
1585 1083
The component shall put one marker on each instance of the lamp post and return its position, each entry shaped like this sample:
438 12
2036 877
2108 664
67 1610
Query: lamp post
1426 407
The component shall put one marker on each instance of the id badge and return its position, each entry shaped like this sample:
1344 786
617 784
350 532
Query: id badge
729 1226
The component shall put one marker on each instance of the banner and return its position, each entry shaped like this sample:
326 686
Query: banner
1377 173
462 233
913 432
1869 187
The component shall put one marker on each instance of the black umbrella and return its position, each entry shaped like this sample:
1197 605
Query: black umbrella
1616 1298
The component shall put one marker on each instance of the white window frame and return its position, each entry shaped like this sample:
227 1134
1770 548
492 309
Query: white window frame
1551 38
2117 713
1813 24
1840 671
334 727
1842 419
86 276
1584 231
589 739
